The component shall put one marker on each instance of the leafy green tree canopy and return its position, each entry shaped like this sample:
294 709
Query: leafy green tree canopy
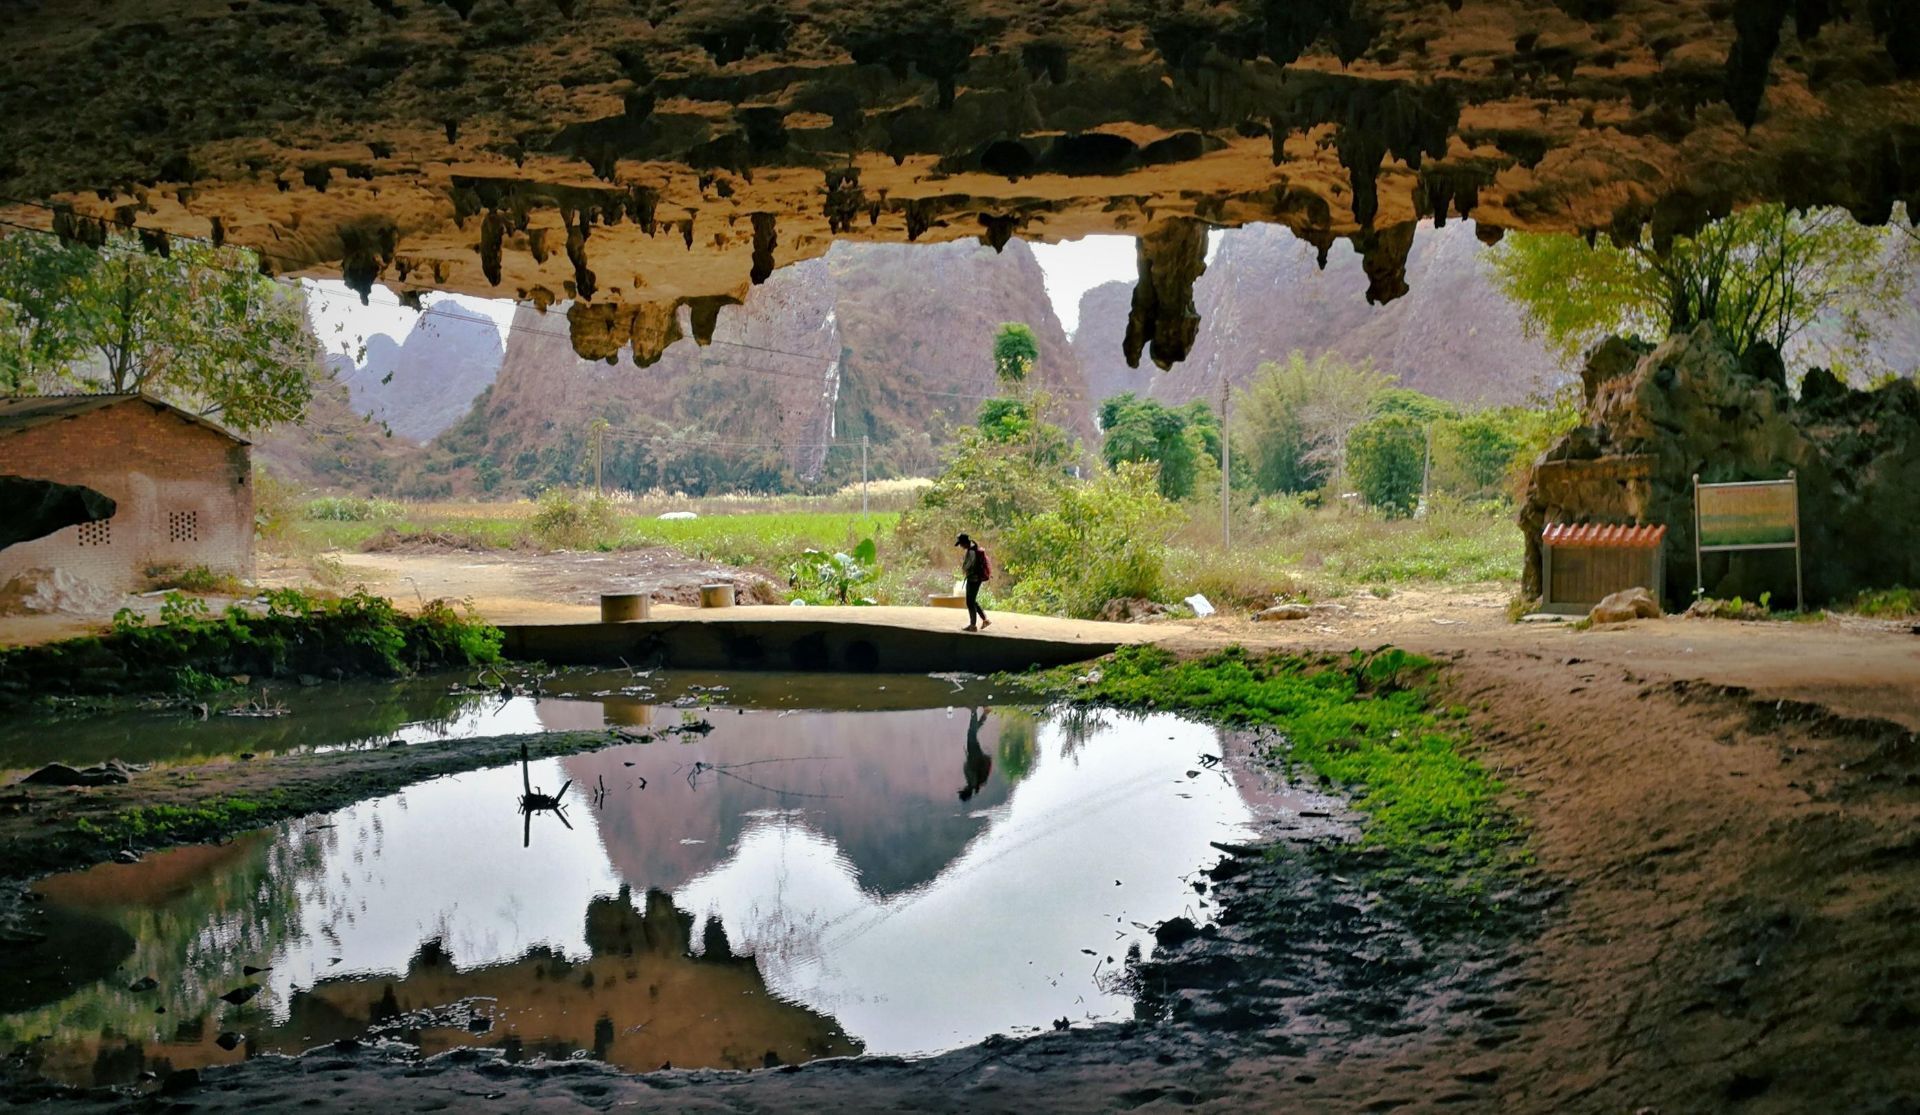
1291 422
1146 430
1386 457
1015 352
196 325
1764 273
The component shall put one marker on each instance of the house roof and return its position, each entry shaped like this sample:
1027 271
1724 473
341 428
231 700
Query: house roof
24 412
1603 536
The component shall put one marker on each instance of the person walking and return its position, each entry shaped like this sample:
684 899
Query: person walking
976 570
979 765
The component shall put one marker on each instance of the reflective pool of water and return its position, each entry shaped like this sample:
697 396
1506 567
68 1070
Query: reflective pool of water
440 706
793 884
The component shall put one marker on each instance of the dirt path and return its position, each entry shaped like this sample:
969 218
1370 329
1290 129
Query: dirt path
1858 667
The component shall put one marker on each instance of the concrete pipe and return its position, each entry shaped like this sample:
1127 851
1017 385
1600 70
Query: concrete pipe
625 607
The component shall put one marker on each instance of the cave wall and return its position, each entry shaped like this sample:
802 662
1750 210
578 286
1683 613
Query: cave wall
636 156
1657 416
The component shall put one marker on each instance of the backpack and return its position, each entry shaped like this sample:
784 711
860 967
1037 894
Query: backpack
986 566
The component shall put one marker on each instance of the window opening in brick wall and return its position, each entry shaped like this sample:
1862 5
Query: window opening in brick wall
97 533
183 526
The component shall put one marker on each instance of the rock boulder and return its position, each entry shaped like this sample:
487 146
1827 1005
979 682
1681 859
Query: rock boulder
1657 417
1627 604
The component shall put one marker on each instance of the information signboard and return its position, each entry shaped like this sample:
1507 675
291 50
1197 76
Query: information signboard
1747 515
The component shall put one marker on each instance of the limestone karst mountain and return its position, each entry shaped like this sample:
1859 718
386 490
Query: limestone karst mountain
425 383
885 341
1453 335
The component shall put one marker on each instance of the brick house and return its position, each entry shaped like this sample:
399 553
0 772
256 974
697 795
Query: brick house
183 487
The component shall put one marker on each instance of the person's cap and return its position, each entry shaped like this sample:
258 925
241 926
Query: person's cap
962 540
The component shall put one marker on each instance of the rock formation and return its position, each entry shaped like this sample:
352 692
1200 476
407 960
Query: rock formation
31 509
880 340
1267 294
427 382
1657 417
643 156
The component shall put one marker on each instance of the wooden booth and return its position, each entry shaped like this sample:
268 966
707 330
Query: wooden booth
1582 564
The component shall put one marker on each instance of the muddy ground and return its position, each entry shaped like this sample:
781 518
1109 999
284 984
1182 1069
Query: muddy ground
1721 916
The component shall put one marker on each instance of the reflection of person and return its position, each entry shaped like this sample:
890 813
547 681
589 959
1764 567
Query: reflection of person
976 570
978 766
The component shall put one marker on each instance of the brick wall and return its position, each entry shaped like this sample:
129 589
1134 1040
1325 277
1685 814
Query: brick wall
184 495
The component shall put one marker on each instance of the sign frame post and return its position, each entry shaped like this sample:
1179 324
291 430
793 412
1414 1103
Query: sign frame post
1759 490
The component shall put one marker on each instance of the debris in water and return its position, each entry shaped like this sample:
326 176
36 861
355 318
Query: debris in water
534 801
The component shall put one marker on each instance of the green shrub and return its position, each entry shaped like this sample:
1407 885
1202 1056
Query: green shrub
193 578
1385 460
1887 603
986 487
274 506
570 520
1106 538
817 577
357 635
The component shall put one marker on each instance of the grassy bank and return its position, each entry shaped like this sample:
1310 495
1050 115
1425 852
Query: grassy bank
194 650
1367 724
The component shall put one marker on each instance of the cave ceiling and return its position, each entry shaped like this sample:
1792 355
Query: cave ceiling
631 158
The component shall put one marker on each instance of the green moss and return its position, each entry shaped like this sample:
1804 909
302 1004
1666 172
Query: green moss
158 825
1365 722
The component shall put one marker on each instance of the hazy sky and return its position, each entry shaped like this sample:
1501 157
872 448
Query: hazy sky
1072 268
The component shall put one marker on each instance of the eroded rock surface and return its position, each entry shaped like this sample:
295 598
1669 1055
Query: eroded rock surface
1657 417
31 509
639 156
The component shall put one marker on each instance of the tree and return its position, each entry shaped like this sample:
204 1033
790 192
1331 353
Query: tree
1292 422
1015 352
1761 274
1385 459
196 325
1408 403
1485 445
1146 430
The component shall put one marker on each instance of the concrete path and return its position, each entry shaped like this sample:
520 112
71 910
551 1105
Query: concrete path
884 639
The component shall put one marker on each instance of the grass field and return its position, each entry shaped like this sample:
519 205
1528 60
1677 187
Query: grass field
1281 549
752 538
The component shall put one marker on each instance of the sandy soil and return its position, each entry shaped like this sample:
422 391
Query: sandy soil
1859 667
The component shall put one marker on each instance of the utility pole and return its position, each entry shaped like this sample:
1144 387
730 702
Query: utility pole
863 474
1226 465
1426 472
598 428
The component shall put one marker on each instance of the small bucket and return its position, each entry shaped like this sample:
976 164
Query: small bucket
716 596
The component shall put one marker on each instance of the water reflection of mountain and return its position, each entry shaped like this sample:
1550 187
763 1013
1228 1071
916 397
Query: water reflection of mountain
878 909
882 787
639 1000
